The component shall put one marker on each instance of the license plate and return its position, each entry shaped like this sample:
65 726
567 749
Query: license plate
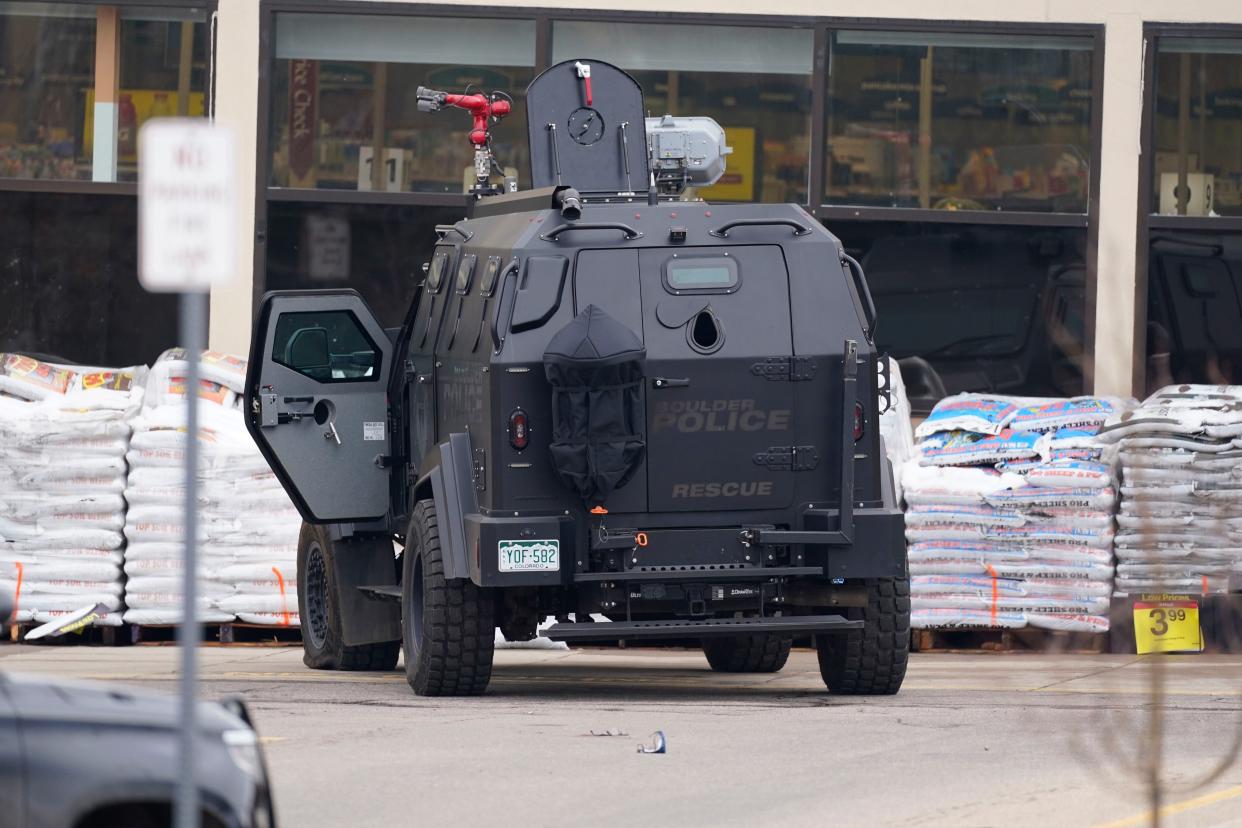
530 556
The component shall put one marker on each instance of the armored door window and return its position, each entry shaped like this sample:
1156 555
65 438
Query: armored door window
326 346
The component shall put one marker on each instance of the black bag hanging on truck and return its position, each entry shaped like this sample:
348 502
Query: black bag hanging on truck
595 366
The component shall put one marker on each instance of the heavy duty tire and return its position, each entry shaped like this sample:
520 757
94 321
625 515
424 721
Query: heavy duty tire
448 627
870 661
317 608
759 653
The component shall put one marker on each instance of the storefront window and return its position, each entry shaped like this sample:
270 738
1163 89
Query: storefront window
1194 308
959 121
50 112
1198 118
343 94
755 82
47 72
164 68
976 307
68 267
377 250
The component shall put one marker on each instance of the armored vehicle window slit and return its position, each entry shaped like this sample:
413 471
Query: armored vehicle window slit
478 336
701 274
504 308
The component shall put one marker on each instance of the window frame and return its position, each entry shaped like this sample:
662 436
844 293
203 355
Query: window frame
128 188
1148 222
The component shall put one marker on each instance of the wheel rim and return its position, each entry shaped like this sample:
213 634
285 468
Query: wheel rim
414 645
316 585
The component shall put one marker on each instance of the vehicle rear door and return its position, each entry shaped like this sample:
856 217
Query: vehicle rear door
317 405
720 408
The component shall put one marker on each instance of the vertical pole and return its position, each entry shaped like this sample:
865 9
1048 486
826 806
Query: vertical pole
106 122
240 43
193 337
1183 133
1116 262
379 175
925 129
184 67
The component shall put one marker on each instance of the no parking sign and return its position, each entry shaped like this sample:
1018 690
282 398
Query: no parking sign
187 215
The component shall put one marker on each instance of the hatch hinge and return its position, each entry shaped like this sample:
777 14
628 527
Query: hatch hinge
788 458
478 469
786 369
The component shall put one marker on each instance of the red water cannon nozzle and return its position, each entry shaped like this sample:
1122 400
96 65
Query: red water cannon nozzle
480 106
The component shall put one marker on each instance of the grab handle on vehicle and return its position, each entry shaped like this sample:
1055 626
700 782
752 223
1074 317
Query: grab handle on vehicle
630 232
864 292
669 382
722 232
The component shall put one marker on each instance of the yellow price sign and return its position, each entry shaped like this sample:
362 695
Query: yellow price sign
1167 624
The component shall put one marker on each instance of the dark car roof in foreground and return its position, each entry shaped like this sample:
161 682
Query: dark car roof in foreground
112 705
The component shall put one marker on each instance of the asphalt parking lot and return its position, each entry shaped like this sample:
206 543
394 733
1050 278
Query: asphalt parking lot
970 740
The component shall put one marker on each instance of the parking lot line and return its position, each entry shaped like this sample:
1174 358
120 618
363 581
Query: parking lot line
1177 808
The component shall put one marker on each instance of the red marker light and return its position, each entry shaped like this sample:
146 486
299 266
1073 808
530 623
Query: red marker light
519 430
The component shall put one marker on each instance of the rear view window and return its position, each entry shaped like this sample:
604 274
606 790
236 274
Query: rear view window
714 274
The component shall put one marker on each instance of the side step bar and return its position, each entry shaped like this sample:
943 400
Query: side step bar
673 575
384 592
679 628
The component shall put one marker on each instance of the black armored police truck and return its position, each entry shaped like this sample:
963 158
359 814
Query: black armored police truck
652 418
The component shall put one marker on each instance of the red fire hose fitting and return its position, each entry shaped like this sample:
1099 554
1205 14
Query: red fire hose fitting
482 108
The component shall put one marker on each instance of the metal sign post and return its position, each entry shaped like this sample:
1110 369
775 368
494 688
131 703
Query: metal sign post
187 225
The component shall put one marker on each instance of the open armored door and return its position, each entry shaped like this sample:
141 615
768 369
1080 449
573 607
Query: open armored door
317 402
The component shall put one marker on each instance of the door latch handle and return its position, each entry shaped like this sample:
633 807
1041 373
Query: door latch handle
331 434
670 382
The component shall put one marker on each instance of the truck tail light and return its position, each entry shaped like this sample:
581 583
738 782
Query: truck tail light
519 430
859 421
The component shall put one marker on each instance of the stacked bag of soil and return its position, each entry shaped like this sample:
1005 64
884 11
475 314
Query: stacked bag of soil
1180 523
64 433
1009 519
895 425
248 529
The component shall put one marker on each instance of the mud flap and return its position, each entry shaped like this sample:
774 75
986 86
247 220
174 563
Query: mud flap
452 488
361 562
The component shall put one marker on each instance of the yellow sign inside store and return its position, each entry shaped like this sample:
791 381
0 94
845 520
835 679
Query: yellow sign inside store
738 182
1167 624
134 108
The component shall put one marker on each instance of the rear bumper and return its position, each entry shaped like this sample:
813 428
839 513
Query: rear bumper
875 548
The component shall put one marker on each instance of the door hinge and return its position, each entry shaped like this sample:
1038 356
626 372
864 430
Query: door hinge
788 458
785 369
478 469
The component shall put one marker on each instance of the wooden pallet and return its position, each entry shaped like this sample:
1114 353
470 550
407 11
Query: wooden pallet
90 636
233 633
1025 640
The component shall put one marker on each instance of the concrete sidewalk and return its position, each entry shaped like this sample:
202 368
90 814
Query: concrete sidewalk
970 740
